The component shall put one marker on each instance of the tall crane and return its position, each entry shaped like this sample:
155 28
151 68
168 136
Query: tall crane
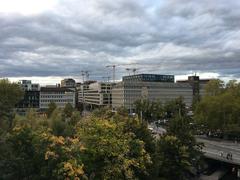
113 66
133 70
114 71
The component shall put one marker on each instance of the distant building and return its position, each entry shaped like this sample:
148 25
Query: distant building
149 78
70 83
27 85
95 94
197 84
59 95
30 98
151 87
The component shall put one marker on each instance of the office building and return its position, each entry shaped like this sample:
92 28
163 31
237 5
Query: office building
95 94
197 84
27 85
30 98
70 83
59 95
149 86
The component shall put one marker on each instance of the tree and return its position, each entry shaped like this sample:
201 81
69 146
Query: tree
175 107
220 110
214 87
173 159
181 128
149 110
68 110
31 154
10 95
110 152
51 107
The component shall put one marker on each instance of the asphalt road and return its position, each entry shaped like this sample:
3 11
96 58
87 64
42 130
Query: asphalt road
219 149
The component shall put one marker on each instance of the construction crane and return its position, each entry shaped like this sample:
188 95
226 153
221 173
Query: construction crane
114 68
114 71
133 70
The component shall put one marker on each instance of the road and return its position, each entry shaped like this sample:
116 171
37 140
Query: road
218 150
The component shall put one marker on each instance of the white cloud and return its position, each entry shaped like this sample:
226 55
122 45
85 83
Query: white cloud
26 7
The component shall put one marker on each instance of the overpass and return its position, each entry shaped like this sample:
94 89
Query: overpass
219 150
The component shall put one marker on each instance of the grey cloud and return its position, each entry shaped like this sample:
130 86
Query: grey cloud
175 36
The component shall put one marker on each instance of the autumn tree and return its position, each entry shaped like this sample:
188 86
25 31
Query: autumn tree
51 107
10 95
110 152
68 110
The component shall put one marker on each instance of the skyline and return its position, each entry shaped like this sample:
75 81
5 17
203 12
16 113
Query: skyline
59 38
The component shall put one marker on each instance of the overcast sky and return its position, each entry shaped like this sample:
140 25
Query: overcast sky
46 40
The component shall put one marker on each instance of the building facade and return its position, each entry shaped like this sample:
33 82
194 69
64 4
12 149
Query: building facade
149 86
58 95
27 85
97 94
70 83
198 86
30 98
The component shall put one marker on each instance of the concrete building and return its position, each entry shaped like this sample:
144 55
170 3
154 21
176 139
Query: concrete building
96 94
149 86
27 85
70 83
30 98
59 95
197 84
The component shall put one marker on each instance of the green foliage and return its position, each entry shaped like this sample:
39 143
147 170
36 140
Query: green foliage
40 155
181 128
68 110
173 159
10 95
111 152
220 109
149 110
175 107
51 107
214 87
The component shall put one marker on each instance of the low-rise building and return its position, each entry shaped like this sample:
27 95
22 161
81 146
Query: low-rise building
59 95
96 94
30 98
149 86
70 83
197 84
27 85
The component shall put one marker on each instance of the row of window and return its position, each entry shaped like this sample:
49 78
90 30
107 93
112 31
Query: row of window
56 100
56 96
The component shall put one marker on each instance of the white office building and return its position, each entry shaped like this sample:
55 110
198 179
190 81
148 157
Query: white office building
60 96
98 94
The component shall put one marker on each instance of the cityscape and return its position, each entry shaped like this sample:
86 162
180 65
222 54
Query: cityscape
119 90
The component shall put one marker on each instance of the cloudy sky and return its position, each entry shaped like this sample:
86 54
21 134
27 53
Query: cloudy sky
51 39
